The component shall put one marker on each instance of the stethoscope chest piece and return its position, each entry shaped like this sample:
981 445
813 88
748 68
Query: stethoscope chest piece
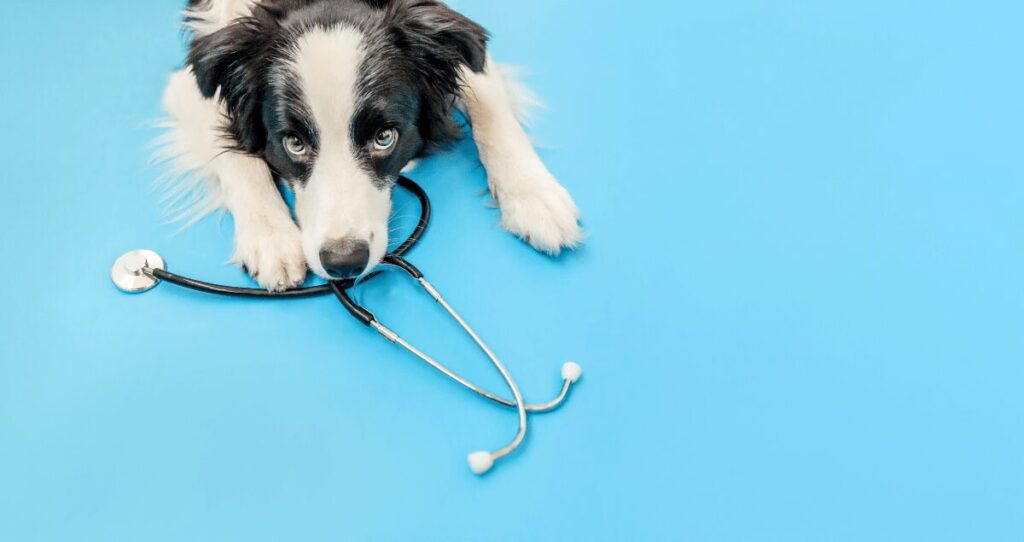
131 272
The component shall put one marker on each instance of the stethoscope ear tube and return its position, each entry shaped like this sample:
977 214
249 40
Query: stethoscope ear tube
479 462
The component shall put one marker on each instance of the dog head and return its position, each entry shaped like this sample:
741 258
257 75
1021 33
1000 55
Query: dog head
338 97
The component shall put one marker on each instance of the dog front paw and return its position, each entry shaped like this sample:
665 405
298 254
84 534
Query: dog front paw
271 253
541 212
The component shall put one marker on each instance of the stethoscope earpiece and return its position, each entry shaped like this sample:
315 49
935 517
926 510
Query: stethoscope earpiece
141 270
572 371
480 462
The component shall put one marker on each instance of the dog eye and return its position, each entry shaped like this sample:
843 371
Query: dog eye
385 139
295 146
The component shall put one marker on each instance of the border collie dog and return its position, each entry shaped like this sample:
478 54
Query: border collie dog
335 98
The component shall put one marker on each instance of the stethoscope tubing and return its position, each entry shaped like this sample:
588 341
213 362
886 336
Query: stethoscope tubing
480 462
365 316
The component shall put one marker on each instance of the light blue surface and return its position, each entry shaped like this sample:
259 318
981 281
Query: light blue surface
799 310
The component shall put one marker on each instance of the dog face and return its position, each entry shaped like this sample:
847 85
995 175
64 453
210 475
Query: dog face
338 96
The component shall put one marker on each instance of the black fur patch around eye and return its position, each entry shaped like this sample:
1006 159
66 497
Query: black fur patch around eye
285 114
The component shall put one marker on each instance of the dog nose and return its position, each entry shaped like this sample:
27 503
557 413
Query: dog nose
345 258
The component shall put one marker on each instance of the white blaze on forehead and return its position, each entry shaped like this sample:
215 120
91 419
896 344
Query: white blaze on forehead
340 200
327 65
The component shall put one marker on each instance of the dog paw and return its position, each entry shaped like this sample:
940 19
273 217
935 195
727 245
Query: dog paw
271 253
541 212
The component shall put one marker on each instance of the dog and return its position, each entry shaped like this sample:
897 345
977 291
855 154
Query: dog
336 98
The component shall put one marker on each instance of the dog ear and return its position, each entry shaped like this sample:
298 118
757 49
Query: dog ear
439 42
450 36
231 64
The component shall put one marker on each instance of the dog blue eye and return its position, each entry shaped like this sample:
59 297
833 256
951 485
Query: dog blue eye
294 146
385 139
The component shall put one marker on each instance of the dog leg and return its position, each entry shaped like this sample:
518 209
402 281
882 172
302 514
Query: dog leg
533 205
268 243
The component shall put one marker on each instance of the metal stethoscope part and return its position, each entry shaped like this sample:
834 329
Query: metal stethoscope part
141 270
133 272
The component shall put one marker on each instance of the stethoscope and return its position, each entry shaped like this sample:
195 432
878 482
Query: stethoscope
141 270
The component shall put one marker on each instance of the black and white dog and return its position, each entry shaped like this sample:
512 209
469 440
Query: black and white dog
335 98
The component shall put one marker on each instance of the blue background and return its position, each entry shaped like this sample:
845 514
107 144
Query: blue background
799 308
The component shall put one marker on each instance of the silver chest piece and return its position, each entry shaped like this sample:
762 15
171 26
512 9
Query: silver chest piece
129 272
